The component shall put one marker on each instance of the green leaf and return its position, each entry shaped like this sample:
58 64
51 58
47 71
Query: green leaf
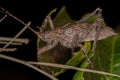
77 58
107 58
92 19
80 75
62 18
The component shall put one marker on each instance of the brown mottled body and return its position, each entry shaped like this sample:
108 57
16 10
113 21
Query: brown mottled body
71 35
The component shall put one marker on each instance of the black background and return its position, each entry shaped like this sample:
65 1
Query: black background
35 11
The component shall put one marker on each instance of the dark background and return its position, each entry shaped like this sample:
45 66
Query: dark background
35 11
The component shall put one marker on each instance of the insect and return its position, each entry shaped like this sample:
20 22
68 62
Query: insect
71 35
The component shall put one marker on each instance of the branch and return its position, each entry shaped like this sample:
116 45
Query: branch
16 41
74 68
3 18
17 35
27 64
7 49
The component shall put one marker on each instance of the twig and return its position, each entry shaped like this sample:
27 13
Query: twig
7 49
74 68
3 18
17 60
18 34
17 40
13 43
27 64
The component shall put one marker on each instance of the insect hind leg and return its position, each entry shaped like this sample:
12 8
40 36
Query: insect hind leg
98 25
93 13
86 56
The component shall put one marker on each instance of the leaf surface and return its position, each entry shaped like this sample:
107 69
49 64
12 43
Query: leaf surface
107 58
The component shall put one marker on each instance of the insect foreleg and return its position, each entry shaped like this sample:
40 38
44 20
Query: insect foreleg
45 48
47 20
